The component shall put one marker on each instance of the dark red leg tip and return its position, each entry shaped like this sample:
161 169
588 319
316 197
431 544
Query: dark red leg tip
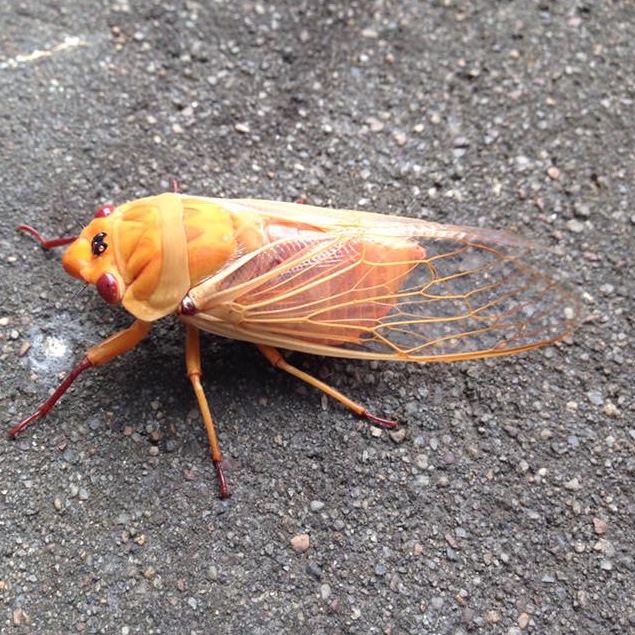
224 492
384 423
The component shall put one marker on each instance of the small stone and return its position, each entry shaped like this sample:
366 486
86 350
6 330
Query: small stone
243 128
581 210
493 617
300 543
123 519
401 138
20 617
473 451
523 163
316 505
554 174
605 547
611 410
595 397
421 461
573 485
437 602
523 620
523 466
375 125
398 435
600 526
461 142
575 226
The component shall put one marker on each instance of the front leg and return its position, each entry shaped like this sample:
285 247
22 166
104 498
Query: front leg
98 355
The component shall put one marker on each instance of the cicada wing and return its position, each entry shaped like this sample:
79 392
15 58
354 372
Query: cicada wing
331 220
367 295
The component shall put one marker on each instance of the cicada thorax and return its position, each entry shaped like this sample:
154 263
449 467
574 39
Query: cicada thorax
147 254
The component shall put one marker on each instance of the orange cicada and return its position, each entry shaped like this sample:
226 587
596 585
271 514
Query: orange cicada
332 282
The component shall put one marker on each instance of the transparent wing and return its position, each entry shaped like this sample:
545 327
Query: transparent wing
363 294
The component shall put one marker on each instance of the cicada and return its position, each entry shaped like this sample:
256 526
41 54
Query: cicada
331 282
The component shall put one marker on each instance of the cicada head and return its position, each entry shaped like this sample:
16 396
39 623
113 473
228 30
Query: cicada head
92 256
136 255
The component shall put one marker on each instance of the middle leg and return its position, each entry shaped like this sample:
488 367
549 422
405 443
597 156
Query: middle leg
194 372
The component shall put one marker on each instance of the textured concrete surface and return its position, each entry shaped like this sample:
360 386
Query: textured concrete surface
508 504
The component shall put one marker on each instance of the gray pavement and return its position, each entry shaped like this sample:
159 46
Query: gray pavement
506 505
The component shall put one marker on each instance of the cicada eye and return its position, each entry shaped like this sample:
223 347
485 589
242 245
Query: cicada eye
108 288
105 210
98 245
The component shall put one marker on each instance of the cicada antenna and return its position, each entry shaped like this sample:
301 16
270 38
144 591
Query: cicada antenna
79 223
79 291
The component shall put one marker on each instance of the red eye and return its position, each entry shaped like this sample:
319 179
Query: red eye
104 210
108 288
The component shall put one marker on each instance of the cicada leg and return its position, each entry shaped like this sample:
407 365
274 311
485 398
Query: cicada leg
278 361
194 372
96 356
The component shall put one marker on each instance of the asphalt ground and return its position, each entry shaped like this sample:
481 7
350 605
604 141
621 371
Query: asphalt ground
506 503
